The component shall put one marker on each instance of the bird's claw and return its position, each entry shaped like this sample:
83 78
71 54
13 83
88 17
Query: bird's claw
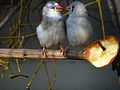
83 51
62 50
44 52
67 49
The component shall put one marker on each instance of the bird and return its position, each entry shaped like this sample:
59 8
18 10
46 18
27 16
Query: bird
79 28
50 31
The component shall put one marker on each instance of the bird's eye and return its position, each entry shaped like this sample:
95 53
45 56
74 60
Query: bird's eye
72 8
53 7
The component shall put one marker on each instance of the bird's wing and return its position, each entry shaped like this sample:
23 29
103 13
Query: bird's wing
40 34
39 30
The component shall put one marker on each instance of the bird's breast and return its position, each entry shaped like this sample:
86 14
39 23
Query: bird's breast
78 31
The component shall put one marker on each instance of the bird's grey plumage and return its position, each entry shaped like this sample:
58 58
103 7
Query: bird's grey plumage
51 30
79 29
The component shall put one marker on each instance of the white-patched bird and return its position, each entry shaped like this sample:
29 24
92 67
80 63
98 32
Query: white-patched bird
51 30
79 29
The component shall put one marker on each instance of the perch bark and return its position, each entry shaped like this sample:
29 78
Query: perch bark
35 53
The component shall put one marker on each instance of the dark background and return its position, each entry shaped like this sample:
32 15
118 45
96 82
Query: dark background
71 75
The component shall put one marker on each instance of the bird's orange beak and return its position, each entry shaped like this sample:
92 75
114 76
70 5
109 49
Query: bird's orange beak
67 8
59 8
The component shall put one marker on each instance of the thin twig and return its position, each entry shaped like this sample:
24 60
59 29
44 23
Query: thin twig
7 17
30 82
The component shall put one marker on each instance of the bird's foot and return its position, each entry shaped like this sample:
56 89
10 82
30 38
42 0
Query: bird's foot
67 49
83 51
44 52
84 48
62 50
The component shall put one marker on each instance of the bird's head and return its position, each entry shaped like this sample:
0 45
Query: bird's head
52 8
77 8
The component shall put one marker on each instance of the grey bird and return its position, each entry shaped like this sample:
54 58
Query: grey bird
79 29
51 32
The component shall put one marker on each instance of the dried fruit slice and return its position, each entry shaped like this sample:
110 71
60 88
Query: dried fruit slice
102 52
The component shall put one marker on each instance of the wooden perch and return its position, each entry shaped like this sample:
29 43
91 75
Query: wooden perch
100 53
35 53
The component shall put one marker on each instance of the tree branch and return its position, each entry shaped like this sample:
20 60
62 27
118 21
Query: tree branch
7 17
35 53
